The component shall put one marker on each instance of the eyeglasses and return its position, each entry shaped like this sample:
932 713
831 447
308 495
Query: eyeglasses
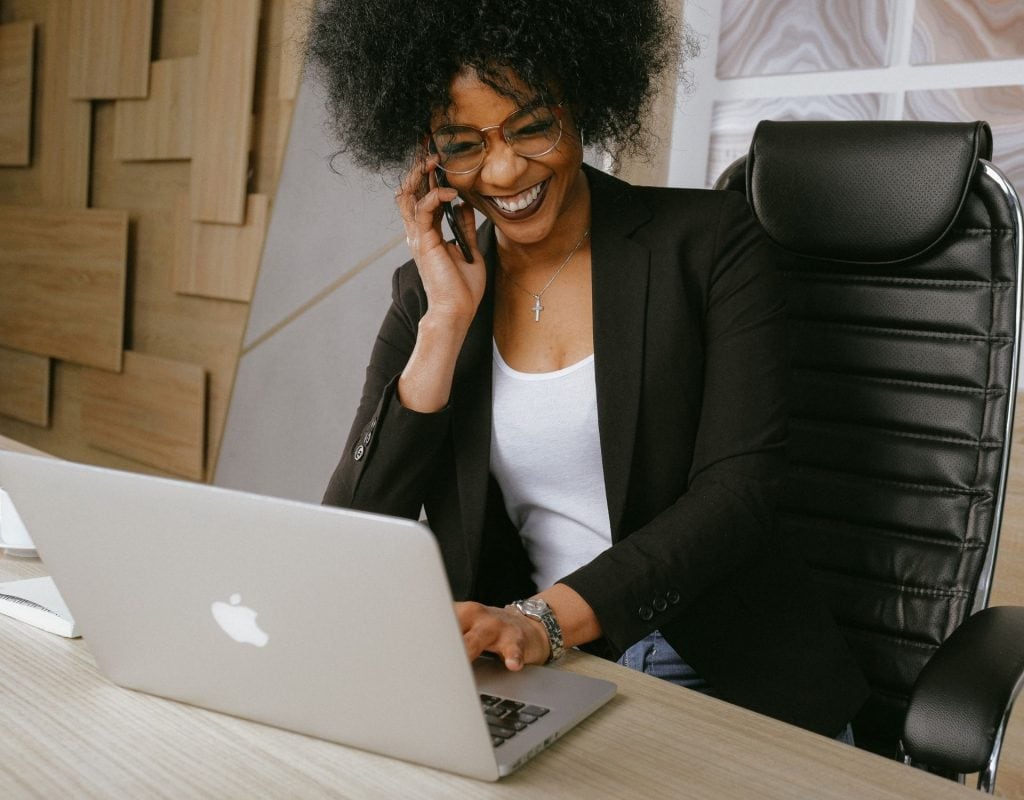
531 132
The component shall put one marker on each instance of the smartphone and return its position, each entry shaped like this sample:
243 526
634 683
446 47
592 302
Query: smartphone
453 223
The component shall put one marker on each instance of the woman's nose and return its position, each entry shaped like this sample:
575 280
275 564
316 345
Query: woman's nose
502 165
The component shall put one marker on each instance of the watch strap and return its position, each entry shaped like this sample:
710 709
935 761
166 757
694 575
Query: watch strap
539 610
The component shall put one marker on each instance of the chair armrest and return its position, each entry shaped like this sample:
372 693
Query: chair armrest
963 696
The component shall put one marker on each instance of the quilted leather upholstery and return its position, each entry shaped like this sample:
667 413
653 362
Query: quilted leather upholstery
898 256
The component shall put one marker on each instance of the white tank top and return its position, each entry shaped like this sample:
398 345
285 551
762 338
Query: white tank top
546 456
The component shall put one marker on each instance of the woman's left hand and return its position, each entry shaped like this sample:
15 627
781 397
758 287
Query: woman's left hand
515 638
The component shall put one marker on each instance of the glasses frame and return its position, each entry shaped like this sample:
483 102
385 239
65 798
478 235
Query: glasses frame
555 108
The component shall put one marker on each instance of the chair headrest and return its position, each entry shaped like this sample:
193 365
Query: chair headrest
862 191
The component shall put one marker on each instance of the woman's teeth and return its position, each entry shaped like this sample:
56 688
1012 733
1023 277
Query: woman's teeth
519 202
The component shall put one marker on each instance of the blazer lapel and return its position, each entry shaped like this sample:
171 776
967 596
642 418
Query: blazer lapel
620 275
620 268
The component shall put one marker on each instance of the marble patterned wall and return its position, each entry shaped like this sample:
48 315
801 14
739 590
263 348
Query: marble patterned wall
1001 106
948 31
769 37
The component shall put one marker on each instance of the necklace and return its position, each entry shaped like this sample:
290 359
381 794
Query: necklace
538 306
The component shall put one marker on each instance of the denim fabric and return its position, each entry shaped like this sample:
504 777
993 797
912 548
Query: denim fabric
654 656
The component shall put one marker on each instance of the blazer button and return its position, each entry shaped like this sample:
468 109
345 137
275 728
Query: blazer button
367 436
672 596
358 452
659 604
646 613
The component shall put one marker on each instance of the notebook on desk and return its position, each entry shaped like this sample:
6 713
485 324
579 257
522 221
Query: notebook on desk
333 623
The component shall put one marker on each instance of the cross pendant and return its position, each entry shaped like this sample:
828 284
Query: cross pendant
537 308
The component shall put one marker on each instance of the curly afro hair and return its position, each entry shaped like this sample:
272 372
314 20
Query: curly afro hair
387 65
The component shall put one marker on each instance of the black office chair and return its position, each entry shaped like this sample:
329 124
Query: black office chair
901 250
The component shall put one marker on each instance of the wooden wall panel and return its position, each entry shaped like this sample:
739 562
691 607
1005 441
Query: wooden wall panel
25 386
73 164
159 127
63 273
17 41
153 412
66 124
296 20
222 127
216 260
110 48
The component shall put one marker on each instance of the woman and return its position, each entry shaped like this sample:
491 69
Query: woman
584 397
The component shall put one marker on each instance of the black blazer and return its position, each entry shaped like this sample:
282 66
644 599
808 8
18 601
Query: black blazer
689 360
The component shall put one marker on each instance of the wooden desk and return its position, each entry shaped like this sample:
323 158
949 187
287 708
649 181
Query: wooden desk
68 732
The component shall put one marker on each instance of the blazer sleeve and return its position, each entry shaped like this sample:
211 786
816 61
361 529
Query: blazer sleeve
390 450
725 517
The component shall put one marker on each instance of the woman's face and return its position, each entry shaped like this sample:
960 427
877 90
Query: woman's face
552 186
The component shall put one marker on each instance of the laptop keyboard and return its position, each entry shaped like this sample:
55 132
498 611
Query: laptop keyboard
505 718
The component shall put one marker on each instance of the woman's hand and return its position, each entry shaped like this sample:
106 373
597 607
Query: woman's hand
516 639
454 287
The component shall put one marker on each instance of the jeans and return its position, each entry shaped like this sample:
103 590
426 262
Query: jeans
654 656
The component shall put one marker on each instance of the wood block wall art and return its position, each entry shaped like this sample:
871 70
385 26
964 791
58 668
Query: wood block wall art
153 412
63 277
159 127
296 21
25 387
65 134
17 46
222 125
217 260
110 48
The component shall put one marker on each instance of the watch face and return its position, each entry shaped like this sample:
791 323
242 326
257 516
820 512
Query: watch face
534 606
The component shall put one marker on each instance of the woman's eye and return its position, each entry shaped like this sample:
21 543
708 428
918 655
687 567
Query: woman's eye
540 127
458 148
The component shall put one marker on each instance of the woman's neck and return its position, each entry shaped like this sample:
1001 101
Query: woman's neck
522 258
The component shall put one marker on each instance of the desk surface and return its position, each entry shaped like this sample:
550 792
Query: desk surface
68 732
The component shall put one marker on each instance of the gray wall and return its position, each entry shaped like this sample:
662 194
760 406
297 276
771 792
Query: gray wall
323 287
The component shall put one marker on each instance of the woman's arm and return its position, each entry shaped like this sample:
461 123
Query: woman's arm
453 286
402 416
724 518
521 640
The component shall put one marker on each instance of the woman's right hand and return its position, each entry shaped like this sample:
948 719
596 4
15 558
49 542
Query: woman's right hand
454 287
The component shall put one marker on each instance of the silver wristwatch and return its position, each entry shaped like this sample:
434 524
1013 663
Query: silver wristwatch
537 609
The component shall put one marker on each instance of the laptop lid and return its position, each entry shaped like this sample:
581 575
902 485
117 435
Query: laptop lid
330 622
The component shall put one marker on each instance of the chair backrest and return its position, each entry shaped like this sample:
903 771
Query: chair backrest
901 250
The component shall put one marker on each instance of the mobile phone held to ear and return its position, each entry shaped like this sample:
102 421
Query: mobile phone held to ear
453 223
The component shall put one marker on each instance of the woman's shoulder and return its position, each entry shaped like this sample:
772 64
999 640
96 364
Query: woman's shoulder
700 217
704 202
677 205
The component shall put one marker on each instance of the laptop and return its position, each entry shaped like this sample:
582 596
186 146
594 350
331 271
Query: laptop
333 623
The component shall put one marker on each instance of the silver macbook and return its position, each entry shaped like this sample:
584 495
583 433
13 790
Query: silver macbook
332 623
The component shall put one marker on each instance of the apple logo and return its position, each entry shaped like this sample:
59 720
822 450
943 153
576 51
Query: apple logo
238 621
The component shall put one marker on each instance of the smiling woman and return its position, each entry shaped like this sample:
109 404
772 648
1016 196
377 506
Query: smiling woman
585 396
532 199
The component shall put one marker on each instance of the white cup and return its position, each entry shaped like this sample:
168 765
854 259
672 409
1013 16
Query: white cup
13 534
